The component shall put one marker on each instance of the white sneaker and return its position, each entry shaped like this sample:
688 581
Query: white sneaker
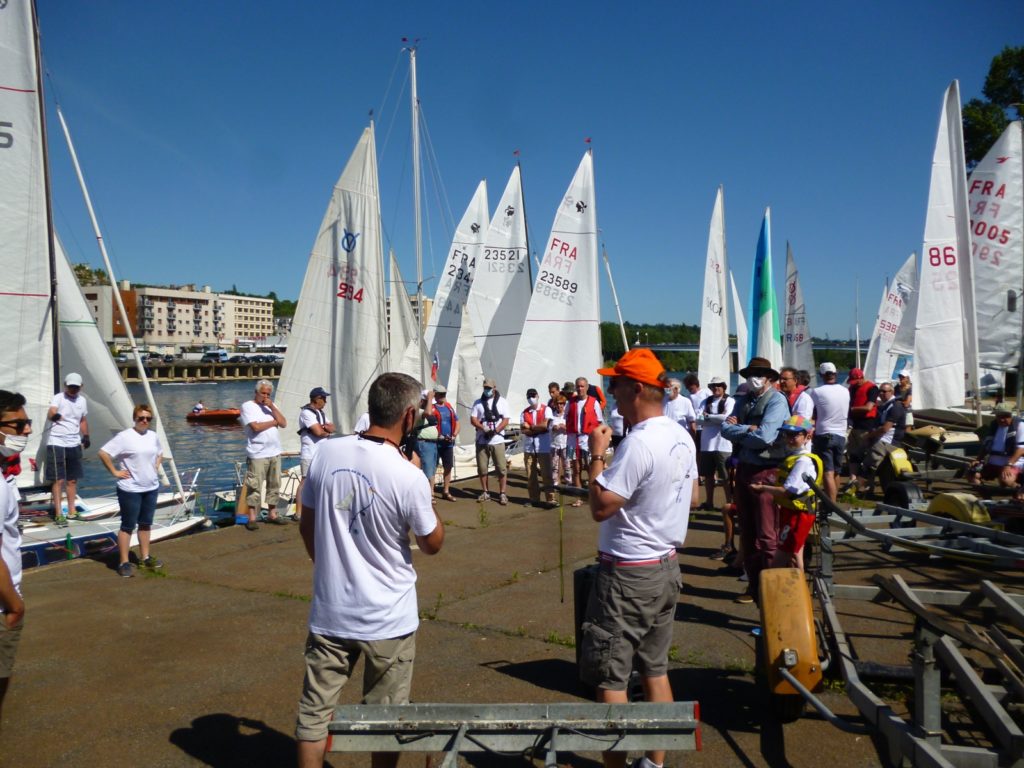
485 496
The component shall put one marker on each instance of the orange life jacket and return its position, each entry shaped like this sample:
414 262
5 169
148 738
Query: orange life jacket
589 416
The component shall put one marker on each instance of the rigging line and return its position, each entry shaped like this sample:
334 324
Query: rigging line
436 169
394 119
391 82
406 160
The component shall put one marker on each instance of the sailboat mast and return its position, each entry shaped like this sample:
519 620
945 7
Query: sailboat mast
615 298
856 317
416 207
117 294
51 237
526 224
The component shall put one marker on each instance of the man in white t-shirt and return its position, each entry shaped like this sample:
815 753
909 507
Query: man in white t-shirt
831 408
261 420
15 427
677 407
489 418
314 426
800 403
642 502
69 435
536 446
360 500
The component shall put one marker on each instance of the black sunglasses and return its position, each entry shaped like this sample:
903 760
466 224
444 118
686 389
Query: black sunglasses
18 425
143 418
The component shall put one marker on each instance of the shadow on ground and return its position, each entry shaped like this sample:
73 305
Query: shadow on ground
226 741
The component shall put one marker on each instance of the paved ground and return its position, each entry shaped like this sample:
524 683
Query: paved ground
202 665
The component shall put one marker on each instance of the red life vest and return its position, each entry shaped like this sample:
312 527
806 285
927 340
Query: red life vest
859 396
589 416
792 396
437 415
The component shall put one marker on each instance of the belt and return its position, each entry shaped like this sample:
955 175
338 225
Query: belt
610 560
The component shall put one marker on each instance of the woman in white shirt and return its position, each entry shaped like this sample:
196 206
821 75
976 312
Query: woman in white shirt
138 451
715 452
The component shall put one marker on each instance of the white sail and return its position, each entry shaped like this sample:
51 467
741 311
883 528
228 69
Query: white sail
456 282
741 326
945 351
797 348
882 358
338 339
996 188
403 340
501 286
903 341
25 303
562 335
466 381
713 357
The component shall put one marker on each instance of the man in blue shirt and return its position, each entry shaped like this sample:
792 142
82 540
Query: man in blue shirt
753 428
447 431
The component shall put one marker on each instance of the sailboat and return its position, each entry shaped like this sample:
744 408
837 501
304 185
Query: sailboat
405 343
764 309
47 343
797 347
561 338
945 341
713 358
338 339
996 191
883 357
500 297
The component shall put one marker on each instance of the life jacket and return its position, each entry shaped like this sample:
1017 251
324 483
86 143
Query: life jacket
440 422
1009 446
794 396
801 503
590 421
710 399
321 419
883 416
595 391
859 397
11 465
529 417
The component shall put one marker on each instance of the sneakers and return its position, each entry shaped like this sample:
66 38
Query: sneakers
503 500
61 520
252 525
152 563
124 570
745 599
485 496
724 552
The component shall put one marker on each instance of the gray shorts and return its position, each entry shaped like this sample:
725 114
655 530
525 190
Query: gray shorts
830 449
9 639
257 472
714 463
63 463
496 453
630 610
387 678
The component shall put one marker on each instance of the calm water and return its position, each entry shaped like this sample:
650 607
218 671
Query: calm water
214 447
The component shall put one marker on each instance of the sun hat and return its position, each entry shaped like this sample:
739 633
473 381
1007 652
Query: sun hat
640 365
826 368
856 374
318 392
1003 412
797 423
440 389
490 383
758 365
717 381
73 380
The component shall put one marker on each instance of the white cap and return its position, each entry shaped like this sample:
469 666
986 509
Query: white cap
905 372
73 380
826 368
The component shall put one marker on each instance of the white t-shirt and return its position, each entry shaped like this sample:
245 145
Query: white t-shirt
556 428
366 498
832 403
654 468
697 398
804 405
363 423
307 418
804 466
501 407
680 410
999 442
259 445
11 546
617 423
68 431
711 425
538 443
137 453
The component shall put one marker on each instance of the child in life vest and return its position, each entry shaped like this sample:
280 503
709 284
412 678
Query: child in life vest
792 494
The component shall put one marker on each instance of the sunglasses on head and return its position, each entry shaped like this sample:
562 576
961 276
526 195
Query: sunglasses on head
18 425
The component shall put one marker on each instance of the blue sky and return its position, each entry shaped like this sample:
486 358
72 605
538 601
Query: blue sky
211 133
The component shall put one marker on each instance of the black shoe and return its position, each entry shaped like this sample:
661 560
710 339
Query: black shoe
730 570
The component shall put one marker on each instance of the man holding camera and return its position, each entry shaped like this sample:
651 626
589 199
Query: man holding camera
489 418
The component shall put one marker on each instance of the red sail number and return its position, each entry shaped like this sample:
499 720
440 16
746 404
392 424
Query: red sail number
937 257
350 292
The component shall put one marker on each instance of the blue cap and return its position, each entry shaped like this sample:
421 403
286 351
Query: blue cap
319 392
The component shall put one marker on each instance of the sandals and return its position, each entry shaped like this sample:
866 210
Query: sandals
447 497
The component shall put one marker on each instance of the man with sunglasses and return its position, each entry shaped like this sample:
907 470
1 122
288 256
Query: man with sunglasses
15 427
642 502
69 434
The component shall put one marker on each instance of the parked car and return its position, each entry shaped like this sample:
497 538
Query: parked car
215 357
168 358
122 358
238 359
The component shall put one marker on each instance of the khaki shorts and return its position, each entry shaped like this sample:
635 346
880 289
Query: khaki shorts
387 678
630 610
496 453
258 471
9 639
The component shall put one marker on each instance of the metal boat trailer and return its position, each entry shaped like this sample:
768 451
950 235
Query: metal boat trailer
515 730
939 646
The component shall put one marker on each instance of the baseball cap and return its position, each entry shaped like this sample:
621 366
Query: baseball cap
797 423
73 380
440 389
856 374
1003 412
531 392
826 368
905 373
490 383
318 392
640 365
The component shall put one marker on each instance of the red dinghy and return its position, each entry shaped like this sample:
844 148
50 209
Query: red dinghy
215 416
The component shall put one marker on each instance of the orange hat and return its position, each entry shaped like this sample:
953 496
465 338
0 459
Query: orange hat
640 365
